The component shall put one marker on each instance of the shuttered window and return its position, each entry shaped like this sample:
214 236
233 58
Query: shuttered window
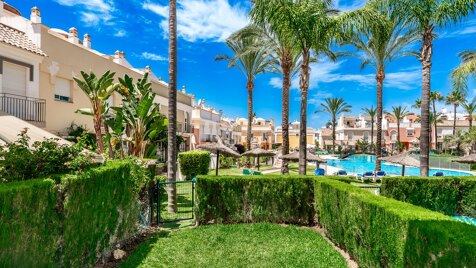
14 79
63 90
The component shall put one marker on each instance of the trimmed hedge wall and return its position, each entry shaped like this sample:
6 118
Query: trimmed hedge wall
69 224
193 163
29 224
248 199
449 195
382 232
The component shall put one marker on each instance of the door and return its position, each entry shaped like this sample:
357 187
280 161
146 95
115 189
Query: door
14 79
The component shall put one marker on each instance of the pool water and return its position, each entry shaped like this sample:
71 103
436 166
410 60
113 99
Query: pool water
465 219
358 164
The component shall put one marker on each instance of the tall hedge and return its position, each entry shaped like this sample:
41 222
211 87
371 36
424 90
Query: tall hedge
448 195
193 163
382 232
29 224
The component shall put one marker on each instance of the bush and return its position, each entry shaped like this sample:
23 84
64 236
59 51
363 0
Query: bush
29 224
448 195
225 162
381 232
193 163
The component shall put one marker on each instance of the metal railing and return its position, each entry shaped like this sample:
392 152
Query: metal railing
25 108
184 128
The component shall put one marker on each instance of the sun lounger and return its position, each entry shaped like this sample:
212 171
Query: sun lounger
341 173
247 172
379 175
319 172
438 174
257 173
368 175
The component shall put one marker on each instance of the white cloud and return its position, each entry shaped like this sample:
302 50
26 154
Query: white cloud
318 98
120 33
276 82
203 20
468 29
344 7
94 12
152 56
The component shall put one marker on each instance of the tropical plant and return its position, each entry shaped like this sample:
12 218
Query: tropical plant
98 90
435 119
455 98
426 16
435 96
458 140
467 68
361 145
417 104
382 40
335 106
470 109
308 25
371 112
399 113
251 62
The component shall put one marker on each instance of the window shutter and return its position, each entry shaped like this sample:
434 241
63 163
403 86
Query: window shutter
14 79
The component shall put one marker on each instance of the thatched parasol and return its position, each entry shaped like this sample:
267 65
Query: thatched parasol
258 152
403 159
310 158
468 159
219 148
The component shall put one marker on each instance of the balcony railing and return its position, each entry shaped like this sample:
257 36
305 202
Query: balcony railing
184 128
25 108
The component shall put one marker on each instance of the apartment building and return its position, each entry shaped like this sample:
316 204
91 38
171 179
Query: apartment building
409 133
262 132
206 122
294 134
39 64
230 131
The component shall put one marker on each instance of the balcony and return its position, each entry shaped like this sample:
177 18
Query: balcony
25 108
184 128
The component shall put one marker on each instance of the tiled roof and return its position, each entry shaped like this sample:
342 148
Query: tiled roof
18 39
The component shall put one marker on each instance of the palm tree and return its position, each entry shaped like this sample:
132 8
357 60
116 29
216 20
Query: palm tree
435 96
172 109
98 91
372 112
467 68
251 62
454 98
381 41
307 25
285 61
399 113
335 106
470 109
426 16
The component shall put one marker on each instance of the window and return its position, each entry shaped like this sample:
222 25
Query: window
14 79
366 136
410 132
63 90
350 136
393 136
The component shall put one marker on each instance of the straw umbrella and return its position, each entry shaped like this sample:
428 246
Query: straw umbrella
258 152
219 148
403 159
469 159
310 158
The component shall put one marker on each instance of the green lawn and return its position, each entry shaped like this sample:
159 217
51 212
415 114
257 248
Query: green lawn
294 169
239 245
184 206
237 171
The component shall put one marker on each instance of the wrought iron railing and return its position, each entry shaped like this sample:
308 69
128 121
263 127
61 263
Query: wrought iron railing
25 108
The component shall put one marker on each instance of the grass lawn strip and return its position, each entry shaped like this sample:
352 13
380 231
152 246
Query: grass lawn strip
240 245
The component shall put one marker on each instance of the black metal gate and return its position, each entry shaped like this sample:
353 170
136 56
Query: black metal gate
185 201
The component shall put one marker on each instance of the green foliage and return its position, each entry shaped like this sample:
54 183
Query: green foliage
22 162
449 195
239 199
79 134
29 224
382 232
226 162
193 163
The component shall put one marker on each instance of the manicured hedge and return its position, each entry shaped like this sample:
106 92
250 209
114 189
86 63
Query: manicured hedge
193 163
248 199
382 232
448 195
29 224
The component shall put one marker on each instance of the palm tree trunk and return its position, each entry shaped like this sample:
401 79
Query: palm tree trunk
249 85
372 135
109 145
435 126
286 68
398 137
333 134
454 119
172 128
97 128
304 85
426 53
380 76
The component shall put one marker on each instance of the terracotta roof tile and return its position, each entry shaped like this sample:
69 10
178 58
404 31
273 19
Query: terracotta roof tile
18 39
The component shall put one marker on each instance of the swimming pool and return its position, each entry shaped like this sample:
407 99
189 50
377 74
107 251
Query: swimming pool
358 164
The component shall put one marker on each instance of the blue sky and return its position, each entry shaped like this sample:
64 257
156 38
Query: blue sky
138 27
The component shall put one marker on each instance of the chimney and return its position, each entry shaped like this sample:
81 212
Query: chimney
87 41
184 91
73 35
203 102
35 16
148 69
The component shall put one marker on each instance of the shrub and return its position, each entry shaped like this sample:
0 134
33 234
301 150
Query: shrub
448 195
193 163
382 232
226 162
29 224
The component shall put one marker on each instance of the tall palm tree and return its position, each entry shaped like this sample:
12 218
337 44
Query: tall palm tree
435 119
399 113
435 96
251 62
98 91
335 106
467 68
470 109
308 25
285 61
427 15
455 98
172 109
372 112
381 41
